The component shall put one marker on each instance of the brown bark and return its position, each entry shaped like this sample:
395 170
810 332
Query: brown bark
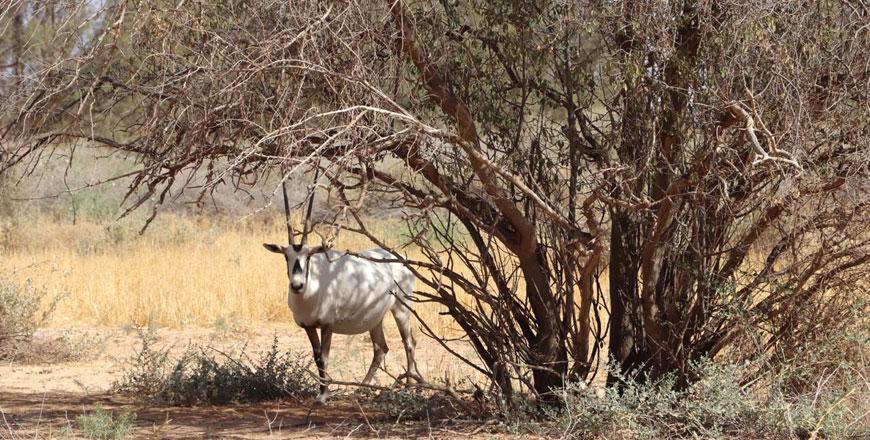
626 334
548 351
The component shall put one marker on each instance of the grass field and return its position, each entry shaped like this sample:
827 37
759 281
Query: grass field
183 271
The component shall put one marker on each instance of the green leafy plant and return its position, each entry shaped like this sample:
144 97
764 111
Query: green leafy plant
101 424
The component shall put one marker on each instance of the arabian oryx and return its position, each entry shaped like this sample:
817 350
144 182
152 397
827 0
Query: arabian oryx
347 294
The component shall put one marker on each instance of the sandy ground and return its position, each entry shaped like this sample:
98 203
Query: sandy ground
39 401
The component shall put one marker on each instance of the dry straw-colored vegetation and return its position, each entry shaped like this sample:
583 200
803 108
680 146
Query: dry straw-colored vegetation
183 271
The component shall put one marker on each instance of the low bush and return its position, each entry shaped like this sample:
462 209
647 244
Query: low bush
101 424
204 374
411 403
23 309
715 407
20 314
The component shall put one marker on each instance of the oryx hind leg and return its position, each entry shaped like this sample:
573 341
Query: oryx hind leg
379 343
403 321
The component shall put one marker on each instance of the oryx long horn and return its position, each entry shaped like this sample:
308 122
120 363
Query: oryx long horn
307 224
287 212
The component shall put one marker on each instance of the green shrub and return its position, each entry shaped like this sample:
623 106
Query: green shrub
19 305
20 315
101 424
715 407
23 309
206 375
147 369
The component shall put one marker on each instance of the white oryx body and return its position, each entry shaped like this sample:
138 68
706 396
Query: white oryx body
351 294
347 294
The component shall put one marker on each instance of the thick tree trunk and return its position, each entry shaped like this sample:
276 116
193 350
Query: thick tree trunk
626 339
549 355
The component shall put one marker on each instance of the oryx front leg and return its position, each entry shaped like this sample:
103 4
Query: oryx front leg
321 346
403 321
379 343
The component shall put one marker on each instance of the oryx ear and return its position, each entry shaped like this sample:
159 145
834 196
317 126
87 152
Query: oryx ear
320 249
276 248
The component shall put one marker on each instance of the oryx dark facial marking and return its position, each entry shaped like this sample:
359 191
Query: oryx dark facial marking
297 278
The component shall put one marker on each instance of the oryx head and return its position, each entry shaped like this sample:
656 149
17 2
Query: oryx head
298 256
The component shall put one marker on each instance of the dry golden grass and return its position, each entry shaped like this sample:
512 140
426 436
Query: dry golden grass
181 272
184 271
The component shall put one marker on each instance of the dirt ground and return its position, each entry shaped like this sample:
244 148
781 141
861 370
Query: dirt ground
40 401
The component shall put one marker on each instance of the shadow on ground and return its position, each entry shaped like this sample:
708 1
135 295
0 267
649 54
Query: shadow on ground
42 400
47 415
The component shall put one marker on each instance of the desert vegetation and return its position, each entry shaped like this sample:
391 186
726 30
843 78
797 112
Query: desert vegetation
205 374
639 218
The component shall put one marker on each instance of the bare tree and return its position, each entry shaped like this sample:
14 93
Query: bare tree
528 146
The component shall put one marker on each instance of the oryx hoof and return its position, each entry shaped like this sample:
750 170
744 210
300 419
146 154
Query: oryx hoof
322 398
417 378
408 377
